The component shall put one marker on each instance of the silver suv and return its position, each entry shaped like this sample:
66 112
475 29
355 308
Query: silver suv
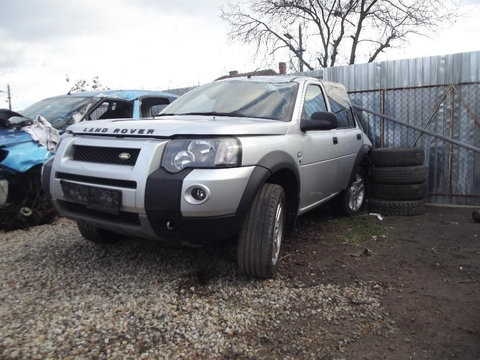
239 158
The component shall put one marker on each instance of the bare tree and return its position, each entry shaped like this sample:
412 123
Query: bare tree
335 31
84 85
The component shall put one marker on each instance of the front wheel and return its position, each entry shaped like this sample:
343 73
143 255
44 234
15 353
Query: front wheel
261 236
352 200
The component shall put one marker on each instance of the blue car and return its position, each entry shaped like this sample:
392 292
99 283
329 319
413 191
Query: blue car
22 202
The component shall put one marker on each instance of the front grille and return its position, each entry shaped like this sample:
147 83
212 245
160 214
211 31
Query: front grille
96 180
122 217
104 155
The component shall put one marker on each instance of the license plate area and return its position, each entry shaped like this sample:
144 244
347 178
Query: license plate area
92 197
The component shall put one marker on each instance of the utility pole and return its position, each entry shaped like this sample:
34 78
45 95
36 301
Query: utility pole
298 52
9 97
300 48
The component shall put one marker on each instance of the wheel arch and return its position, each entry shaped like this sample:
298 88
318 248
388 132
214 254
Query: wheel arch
361 161
279 168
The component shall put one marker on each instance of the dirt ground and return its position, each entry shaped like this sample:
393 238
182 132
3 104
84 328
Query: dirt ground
346 288
429 266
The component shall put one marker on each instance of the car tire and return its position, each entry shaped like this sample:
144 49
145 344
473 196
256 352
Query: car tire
397 208
399 174
399 191
96 235
352 200
398 156
261 235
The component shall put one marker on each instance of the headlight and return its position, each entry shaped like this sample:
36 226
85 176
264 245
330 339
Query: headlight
201 153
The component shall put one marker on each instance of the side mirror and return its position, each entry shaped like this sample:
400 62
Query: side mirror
319 121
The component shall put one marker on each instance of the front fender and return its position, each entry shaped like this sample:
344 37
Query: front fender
280 168
22 157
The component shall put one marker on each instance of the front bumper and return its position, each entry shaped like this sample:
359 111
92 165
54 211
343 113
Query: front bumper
174 215
159 206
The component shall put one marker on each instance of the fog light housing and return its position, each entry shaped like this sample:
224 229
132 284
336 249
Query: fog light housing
197 194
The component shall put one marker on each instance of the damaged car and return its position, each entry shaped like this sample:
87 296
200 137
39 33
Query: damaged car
28 138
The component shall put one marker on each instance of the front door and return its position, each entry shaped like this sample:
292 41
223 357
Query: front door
319 159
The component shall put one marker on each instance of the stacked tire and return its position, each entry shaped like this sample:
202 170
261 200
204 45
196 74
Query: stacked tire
398 181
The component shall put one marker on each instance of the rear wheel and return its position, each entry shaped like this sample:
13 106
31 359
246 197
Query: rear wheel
352 200
96 235
261 236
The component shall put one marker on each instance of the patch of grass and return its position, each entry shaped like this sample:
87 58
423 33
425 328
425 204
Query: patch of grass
358 229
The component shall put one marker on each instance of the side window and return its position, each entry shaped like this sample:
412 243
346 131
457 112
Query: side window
314 101
344 114
157 109
112 110
95 115
152 106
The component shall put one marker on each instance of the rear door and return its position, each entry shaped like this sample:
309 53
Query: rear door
348 135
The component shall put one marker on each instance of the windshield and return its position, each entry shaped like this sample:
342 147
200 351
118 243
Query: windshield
242 98
60 111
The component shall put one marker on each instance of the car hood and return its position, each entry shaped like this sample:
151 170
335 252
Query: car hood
182 125
10 137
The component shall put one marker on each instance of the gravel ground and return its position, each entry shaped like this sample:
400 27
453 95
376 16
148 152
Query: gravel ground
63 297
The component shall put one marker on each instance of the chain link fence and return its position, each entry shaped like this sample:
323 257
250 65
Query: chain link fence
447 110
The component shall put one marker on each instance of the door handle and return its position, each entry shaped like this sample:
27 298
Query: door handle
359 136
335 140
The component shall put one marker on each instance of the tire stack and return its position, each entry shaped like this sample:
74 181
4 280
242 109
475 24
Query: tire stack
399 181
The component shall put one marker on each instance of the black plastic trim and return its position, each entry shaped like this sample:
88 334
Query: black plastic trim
162 200
361 156
278 160
45 176
130 184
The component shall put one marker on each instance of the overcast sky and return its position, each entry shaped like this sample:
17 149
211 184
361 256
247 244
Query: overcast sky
143 44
